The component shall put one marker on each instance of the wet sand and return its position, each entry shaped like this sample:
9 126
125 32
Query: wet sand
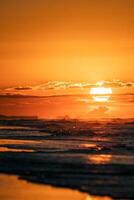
12 188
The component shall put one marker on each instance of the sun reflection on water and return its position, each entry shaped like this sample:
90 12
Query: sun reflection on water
98 198
100 159
90 145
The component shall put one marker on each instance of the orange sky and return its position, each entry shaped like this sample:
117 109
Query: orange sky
70 40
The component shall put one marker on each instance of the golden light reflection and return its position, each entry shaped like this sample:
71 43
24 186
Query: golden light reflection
101 98
100 159
12 141
98 198
91 145
4 142
6 149
20 189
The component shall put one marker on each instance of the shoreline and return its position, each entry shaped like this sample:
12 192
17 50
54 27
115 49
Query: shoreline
22 189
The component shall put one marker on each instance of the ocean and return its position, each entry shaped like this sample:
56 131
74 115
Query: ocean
92 156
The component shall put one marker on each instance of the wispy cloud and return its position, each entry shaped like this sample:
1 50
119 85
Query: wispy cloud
52 85
57 85
117 84
63 86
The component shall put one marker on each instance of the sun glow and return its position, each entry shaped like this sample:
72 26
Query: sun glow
100 159
100 91
101 98
101 94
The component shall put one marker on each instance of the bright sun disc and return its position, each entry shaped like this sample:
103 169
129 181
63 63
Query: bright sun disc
101 94
100 91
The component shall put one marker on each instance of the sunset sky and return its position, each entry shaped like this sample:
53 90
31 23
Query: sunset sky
59 47
67 98
70 40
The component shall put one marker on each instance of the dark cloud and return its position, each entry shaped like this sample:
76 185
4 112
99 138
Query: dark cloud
130 84
12 95
23 88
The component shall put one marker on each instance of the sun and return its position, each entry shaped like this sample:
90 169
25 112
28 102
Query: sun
101 94
100 91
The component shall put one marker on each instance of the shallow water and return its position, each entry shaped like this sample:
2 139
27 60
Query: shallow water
94 157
